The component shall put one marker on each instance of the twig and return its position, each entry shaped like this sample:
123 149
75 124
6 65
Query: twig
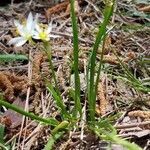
124 126
147 145
83 121
70 35
24 67
27 102
94 6
63 24
121 118
138 44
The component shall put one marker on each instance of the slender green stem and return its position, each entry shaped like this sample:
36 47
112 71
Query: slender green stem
76 58
59 101
63 125
49 121
52 140
91 92
56 94
91 87
48 51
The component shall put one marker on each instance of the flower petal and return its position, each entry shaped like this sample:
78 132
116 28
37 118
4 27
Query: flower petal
37 27
29 23
17 24
21 42
21 30
14 40
36 19
18 41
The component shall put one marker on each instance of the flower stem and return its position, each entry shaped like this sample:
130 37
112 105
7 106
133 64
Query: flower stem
47 49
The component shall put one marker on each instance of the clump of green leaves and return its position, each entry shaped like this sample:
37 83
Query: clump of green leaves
107 132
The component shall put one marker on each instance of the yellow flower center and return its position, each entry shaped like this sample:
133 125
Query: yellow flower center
43 36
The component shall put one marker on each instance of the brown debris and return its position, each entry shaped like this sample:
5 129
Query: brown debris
111 59
101 98
107 44
61 7
57 8
37 61
7 87
11 84
144 8
76 7
130 56
61 80
14 78
37 81
5 121
140 113
132 125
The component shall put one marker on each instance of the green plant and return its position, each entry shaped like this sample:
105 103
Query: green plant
2 143
107 132
76 60
12 57
103 129
130 78
49 121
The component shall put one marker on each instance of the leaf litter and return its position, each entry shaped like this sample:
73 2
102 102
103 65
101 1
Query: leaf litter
117 98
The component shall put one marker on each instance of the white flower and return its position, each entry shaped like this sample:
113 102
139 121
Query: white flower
25 31
43 33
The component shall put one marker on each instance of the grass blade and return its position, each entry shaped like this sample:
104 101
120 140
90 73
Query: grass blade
107 132
76 57
2 133
49 121
137 84
58 100
101 33
57 132
72 95
52 140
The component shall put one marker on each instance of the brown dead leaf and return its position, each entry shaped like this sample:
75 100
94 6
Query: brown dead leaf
11 118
